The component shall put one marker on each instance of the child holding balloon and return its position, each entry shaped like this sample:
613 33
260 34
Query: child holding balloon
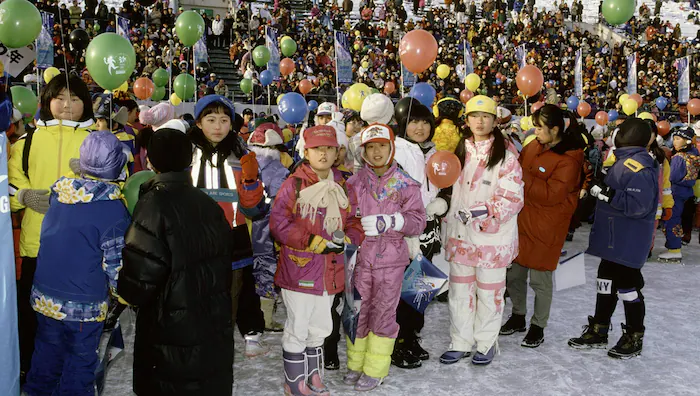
482 234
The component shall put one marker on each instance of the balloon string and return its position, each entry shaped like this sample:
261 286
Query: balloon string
65 65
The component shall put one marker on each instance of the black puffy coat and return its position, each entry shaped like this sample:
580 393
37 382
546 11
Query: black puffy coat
177 271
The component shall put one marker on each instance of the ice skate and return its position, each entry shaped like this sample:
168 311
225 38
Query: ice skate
254 346
516 323
367 383
629 345
595 335
671 256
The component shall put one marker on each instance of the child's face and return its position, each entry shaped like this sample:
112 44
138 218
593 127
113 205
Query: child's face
216 126
352 128
679 143
66 106
341 156
377 153
102 124
324 119
546 135
480 123
321 158
418 130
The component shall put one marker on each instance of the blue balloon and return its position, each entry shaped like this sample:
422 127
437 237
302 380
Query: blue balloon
661 102
425 93
293 108
572 103
313 105
265 78
498 81
613 115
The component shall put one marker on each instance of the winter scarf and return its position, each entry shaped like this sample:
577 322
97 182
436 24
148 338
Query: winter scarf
326 193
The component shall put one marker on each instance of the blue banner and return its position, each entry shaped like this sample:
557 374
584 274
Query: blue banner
408 78
343 58
200 50
273 65
632 74
520 54
123 27
578 75
468 61
683 65
44 43
9 343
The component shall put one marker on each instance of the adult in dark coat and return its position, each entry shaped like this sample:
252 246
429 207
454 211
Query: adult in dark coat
177 270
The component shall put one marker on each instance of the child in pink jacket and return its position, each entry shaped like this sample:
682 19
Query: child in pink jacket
390 206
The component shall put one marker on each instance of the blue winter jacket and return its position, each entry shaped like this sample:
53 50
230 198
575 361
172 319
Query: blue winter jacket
624 227
80 255
684 173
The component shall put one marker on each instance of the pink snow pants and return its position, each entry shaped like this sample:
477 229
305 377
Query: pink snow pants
380 289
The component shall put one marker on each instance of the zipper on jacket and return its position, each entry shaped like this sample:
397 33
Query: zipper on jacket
334 285
60 148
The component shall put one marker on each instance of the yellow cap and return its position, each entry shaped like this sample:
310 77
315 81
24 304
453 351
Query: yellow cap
481 103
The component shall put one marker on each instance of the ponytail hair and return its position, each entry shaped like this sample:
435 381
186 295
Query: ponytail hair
498 148
571 136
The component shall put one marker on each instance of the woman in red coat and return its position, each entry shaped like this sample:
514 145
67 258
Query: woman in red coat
552 175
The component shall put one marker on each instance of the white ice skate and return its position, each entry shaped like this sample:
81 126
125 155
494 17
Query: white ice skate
254 346
671 257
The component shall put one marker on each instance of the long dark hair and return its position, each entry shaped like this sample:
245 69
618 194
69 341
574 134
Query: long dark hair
58 84
498 147
552 116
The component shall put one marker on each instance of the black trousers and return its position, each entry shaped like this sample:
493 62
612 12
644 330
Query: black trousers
25 314
687 218
249 317
618 281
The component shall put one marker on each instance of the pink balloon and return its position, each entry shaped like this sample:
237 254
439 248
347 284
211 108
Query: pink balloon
465 95
637 98
443 169
694 107
418 50
536 106
584 109
529 80
601 118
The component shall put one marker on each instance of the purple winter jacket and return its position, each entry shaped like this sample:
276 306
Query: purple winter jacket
394 192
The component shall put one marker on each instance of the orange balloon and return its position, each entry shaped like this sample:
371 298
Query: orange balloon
143 88
583 109
529 80
536 106
418 50
389 87
637 98
694 106
601 118
650 32
286 66
443 169
305 86
465 95
664 128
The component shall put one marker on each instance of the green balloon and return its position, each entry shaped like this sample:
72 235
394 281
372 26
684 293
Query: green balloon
289 47
261 55
189 28
246 85
158 93
160 77
374 90
617 12
110 59
132 187
20 23
24 100
184 86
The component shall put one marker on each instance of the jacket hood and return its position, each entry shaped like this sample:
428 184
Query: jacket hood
638 153
74 191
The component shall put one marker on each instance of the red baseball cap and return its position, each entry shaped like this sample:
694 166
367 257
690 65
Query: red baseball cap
321 135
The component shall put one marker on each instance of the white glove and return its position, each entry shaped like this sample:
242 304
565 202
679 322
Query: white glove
436 208
582 194
379 224
413 246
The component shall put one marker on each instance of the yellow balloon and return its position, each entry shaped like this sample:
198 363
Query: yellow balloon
123 88
50 73
357 47
174 99
526 123
365 64
646 116
279 98
623 98
443 71
355 95
357 33
529 139
630 106
2 67
473 82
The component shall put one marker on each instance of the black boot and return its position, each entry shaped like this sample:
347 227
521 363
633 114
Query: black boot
534 337
570 236
595 335
516 323
443 297
417 350
629 345
402 356
330 356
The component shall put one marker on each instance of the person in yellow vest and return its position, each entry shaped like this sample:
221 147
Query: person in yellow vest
37 160
448 114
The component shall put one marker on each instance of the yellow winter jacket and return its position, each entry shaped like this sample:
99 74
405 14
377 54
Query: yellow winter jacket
446 136
53 144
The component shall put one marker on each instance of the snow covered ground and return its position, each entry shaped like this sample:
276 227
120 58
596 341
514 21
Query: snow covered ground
669 364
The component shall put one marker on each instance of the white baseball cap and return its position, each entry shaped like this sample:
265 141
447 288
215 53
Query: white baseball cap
326 108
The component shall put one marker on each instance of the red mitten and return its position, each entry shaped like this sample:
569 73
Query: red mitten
666 216
249 167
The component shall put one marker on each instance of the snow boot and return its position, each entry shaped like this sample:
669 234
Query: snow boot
352 377
330 352
402 356
451 357
314 359
595 335
570 236
254 346
295 374
516 323
268 307
534 337
356 354
417 350
629 345
367 383
377 362
671 256
483 359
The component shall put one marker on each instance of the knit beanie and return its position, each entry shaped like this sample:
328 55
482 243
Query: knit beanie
377 108
102 156
634 132
170 150
157 115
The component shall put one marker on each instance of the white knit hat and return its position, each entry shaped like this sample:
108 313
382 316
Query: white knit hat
266 135
377 108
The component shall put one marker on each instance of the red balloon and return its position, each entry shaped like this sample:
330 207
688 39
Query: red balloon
650 32
286 66
536 106
637 98
529 80
465 95
664 128
418 50
143 88
443 169
305 86
694 106
601 118
389 87
583 109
